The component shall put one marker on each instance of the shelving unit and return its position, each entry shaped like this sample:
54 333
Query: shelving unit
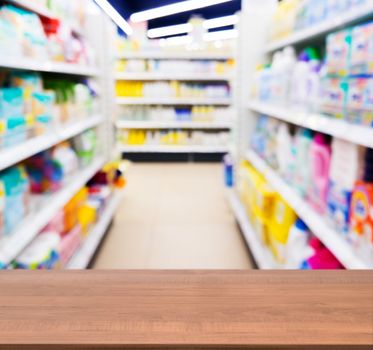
358 134
261 254
255 21
171 125
173 149
46 207
178 55
16 154
324 28
151 76
332 239
149 101
86 252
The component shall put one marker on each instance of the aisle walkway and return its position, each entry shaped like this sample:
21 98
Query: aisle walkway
174 216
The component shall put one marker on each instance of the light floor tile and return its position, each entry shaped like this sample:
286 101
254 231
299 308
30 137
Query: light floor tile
174 216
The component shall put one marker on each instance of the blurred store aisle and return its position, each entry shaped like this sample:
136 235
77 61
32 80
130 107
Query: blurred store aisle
174 216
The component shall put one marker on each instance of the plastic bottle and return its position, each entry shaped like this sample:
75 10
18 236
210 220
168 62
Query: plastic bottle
297 249
285 156
320 157
286 69
228 170
303 140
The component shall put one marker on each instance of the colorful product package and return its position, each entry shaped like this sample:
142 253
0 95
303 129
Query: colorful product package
361 229
338 53
85 145
360 101
2 208
16 188
11 103
70 243
334 96
362 49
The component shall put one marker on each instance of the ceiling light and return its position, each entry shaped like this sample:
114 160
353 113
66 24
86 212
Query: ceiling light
115 16
172 9
221 22
170 30
221 35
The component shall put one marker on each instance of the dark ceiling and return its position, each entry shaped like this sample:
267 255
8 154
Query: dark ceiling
127 7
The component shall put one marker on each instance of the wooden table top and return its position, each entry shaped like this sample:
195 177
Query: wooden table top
188 310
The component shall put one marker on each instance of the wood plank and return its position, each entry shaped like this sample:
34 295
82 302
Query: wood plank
186 309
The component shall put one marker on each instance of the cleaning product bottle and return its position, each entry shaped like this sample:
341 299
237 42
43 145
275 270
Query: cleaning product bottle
298 95
287 64
302 176
297 248
320 157
285 148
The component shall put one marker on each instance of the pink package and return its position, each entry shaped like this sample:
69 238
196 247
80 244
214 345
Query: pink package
57 224
70 243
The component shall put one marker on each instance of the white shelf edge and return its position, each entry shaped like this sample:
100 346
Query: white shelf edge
172 149
176 55
85 253
11 246
357 134
261 254
171 125
318 225
173 101
13 155
330 25
26 63
149 76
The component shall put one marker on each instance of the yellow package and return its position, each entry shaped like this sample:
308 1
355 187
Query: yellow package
282 220
87 215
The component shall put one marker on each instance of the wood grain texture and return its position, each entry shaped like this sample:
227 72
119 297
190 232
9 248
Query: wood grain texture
186 309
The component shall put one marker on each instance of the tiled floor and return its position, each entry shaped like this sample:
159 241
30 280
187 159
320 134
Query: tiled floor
174 216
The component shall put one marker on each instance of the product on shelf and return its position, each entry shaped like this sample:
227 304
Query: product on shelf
176 114
172 138
287 237
172 89
178 67
38 37
14 198
331 175
294 15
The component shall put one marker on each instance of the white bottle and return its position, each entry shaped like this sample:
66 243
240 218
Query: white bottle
299 86
297 248
286 69
285 156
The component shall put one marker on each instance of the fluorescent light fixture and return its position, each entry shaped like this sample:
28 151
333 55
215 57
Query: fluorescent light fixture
115 16
176 40
170 30
221 22
221 35
179 7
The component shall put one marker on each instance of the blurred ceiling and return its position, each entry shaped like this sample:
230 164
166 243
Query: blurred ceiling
127 7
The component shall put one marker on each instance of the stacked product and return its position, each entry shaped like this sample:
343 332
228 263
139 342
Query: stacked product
172 89
340 88
334 176
62 237
294 15
172 138
175 66
287 237
25 34
31 106
176 114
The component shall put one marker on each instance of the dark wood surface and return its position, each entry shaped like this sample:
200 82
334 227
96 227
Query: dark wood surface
191 310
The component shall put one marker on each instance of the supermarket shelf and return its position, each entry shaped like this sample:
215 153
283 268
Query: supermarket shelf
172 149
12 246
349 17
138 101
30 64
149 76
16 154
260 253
171 125
361 135
86 252
177 55
331 238
40 10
